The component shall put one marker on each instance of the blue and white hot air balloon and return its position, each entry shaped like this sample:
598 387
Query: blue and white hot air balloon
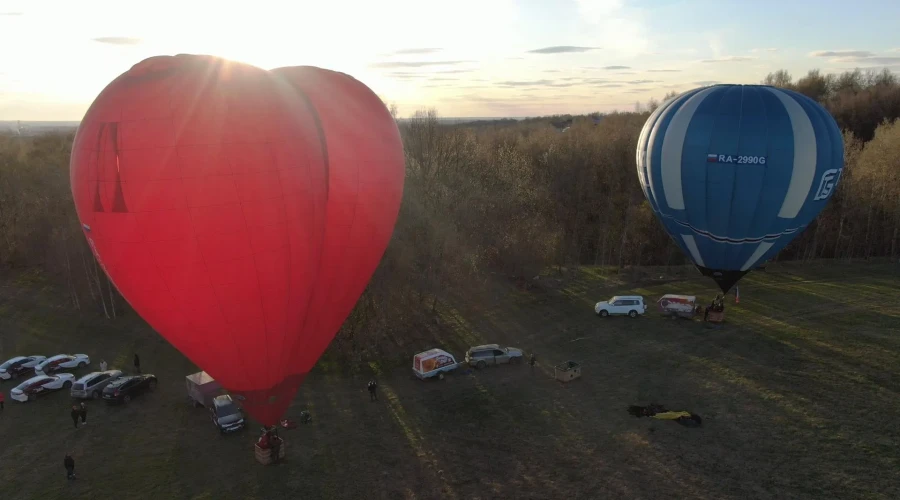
735 172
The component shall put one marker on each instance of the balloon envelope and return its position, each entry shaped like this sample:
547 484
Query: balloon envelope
365 186
202 186
735 172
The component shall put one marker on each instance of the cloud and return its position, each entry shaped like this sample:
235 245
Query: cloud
443 79
616 67
704 83
561 49
406 75
856 57
118 40
663 70
641 82
415 51
878 60
757 51
11 14
841 53
609 85
729 59
414 64
523 83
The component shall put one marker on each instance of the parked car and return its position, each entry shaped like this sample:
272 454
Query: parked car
632 305
60 361
41 385
19 366
124 389
492 354
92 384
226 414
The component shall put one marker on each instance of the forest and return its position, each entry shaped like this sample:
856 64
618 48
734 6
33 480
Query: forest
507 198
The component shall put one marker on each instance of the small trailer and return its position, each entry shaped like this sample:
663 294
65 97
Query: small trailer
202 389
681 306
567 371
433 363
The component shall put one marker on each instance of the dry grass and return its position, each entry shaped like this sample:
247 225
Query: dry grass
799 394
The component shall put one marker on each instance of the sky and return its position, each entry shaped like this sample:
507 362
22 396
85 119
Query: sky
465 58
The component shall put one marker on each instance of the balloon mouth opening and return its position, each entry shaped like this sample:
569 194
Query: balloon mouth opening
724 278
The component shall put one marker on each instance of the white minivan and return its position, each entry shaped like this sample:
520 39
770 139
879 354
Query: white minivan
632 305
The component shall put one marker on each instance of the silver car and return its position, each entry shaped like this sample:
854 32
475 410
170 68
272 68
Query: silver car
492 354
91 385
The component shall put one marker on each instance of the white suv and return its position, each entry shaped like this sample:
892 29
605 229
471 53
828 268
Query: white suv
631 305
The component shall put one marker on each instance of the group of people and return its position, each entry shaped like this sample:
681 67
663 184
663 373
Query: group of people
79 411
269 440
717 305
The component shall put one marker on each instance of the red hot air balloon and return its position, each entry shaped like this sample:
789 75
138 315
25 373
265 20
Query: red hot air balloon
203 188
365 186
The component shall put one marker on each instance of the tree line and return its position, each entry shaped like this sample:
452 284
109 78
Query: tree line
510 198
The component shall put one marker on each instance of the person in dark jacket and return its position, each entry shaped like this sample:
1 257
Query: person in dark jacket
137 364
75 413
83 412
69 463
373 386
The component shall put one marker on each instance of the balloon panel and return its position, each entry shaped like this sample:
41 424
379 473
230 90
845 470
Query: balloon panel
735 172
365 185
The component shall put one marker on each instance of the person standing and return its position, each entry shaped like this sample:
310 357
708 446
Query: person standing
276 447
531 361
75 413
2 398
102 365
69 463
83 412
137 363
373 386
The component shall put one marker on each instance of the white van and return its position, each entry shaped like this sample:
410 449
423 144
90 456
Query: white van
632 305
433 363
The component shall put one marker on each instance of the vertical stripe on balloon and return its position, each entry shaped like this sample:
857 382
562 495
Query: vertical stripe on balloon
673 143
692 248
759 252
804 168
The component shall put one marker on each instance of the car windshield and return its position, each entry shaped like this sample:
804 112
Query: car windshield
9 363
226 410
119 381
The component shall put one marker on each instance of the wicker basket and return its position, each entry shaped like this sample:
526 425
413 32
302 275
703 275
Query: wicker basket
264 455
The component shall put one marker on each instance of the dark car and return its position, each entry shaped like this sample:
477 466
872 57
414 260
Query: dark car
226 414
123 389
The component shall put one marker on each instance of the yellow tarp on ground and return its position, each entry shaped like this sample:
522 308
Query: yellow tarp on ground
671 415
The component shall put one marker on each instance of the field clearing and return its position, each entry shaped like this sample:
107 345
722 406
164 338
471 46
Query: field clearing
799 392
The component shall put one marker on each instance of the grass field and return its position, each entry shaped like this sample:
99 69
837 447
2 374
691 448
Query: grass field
799 391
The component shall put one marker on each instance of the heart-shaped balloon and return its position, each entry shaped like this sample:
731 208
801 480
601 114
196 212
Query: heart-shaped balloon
365 162
217 195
